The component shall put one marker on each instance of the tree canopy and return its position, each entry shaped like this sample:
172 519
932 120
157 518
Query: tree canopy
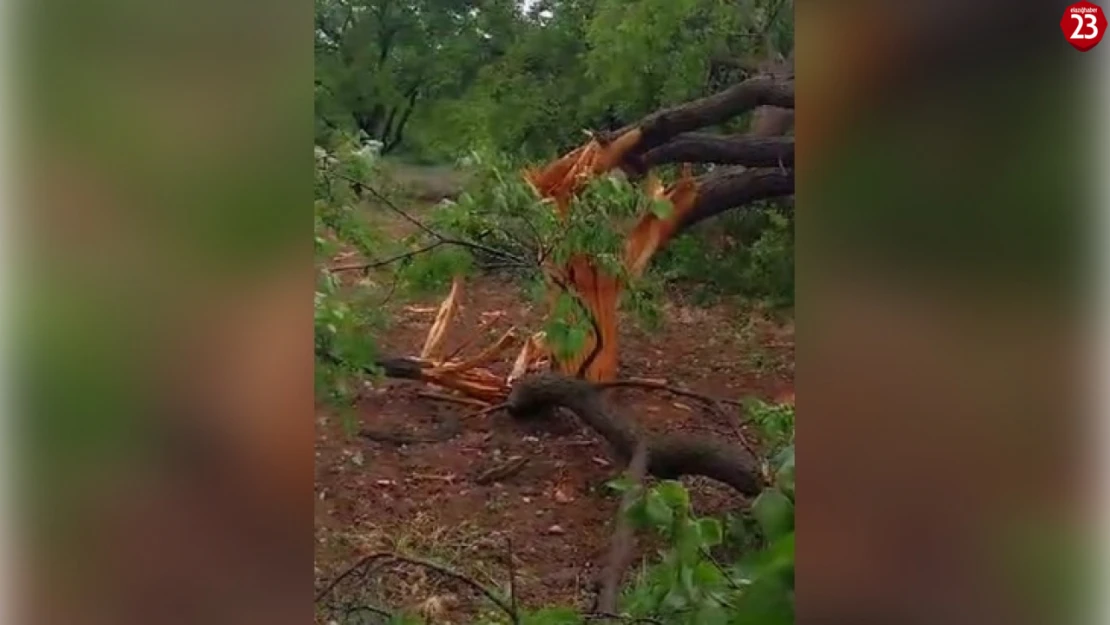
437 78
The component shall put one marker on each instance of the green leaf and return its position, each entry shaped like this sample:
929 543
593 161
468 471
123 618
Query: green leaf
674 495
707 575
711 615
621 484
686 575
710 532
575 339
661 208
774 512
658 512
553 616
675 600
784 477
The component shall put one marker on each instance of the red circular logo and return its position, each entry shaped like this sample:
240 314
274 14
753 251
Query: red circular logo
1083 24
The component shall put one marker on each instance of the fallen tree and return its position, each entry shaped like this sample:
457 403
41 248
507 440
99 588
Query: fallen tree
764 171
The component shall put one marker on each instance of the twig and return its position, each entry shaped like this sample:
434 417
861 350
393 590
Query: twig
392 289
363 562
487 410
720 568
450 477
631 620
466 401
621 546
471 337
366 266
512 574
509 609
659 386
501 471
368 608
425 228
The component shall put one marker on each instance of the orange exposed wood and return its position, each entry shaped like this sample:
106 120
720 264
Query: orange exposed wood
652 233
438 333
599 292
530 354
487 355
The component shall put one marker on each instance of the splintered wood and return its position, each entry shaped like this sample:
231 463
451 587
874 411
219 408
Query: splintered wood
438 333
470 377
598 291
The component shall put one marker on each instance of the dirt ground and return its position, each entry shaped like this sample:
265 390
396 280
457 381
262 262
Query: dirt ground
421 499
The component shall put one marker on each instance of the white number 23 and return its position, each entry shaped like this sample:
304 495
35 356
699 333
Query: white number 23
1091 23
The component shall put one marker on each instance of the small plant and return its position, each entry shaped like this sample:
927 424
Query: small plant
750 254
689 584
775 422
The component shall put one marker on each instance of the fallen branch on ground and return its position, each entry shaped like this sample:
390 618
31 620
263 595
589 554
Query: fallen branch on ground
387 557
454 399
620 549
662 386
713 402
669 456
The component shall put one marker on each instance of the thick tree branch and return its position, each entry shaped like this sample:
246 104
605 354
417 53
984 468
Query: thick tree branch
771 121
732 188
669 456
620 548
389 143
697 147
661 126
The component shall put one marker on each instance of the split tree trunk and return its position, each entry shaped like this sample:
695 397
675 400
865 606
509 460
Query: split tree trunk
666 137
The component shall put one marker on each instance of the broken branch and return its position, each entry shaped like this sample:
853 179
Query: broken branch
366 266
620 548
669 456
735 187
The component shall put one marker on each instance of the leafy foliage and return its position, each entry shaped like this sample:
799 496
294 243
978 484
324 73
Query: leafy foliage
438 78
489 86
775 422
718 571
345 318
747 253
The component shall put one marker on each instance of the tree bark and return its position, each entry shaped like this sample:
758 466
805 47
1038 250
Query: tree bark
660 127
697 147
719 192
389 143
669 456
